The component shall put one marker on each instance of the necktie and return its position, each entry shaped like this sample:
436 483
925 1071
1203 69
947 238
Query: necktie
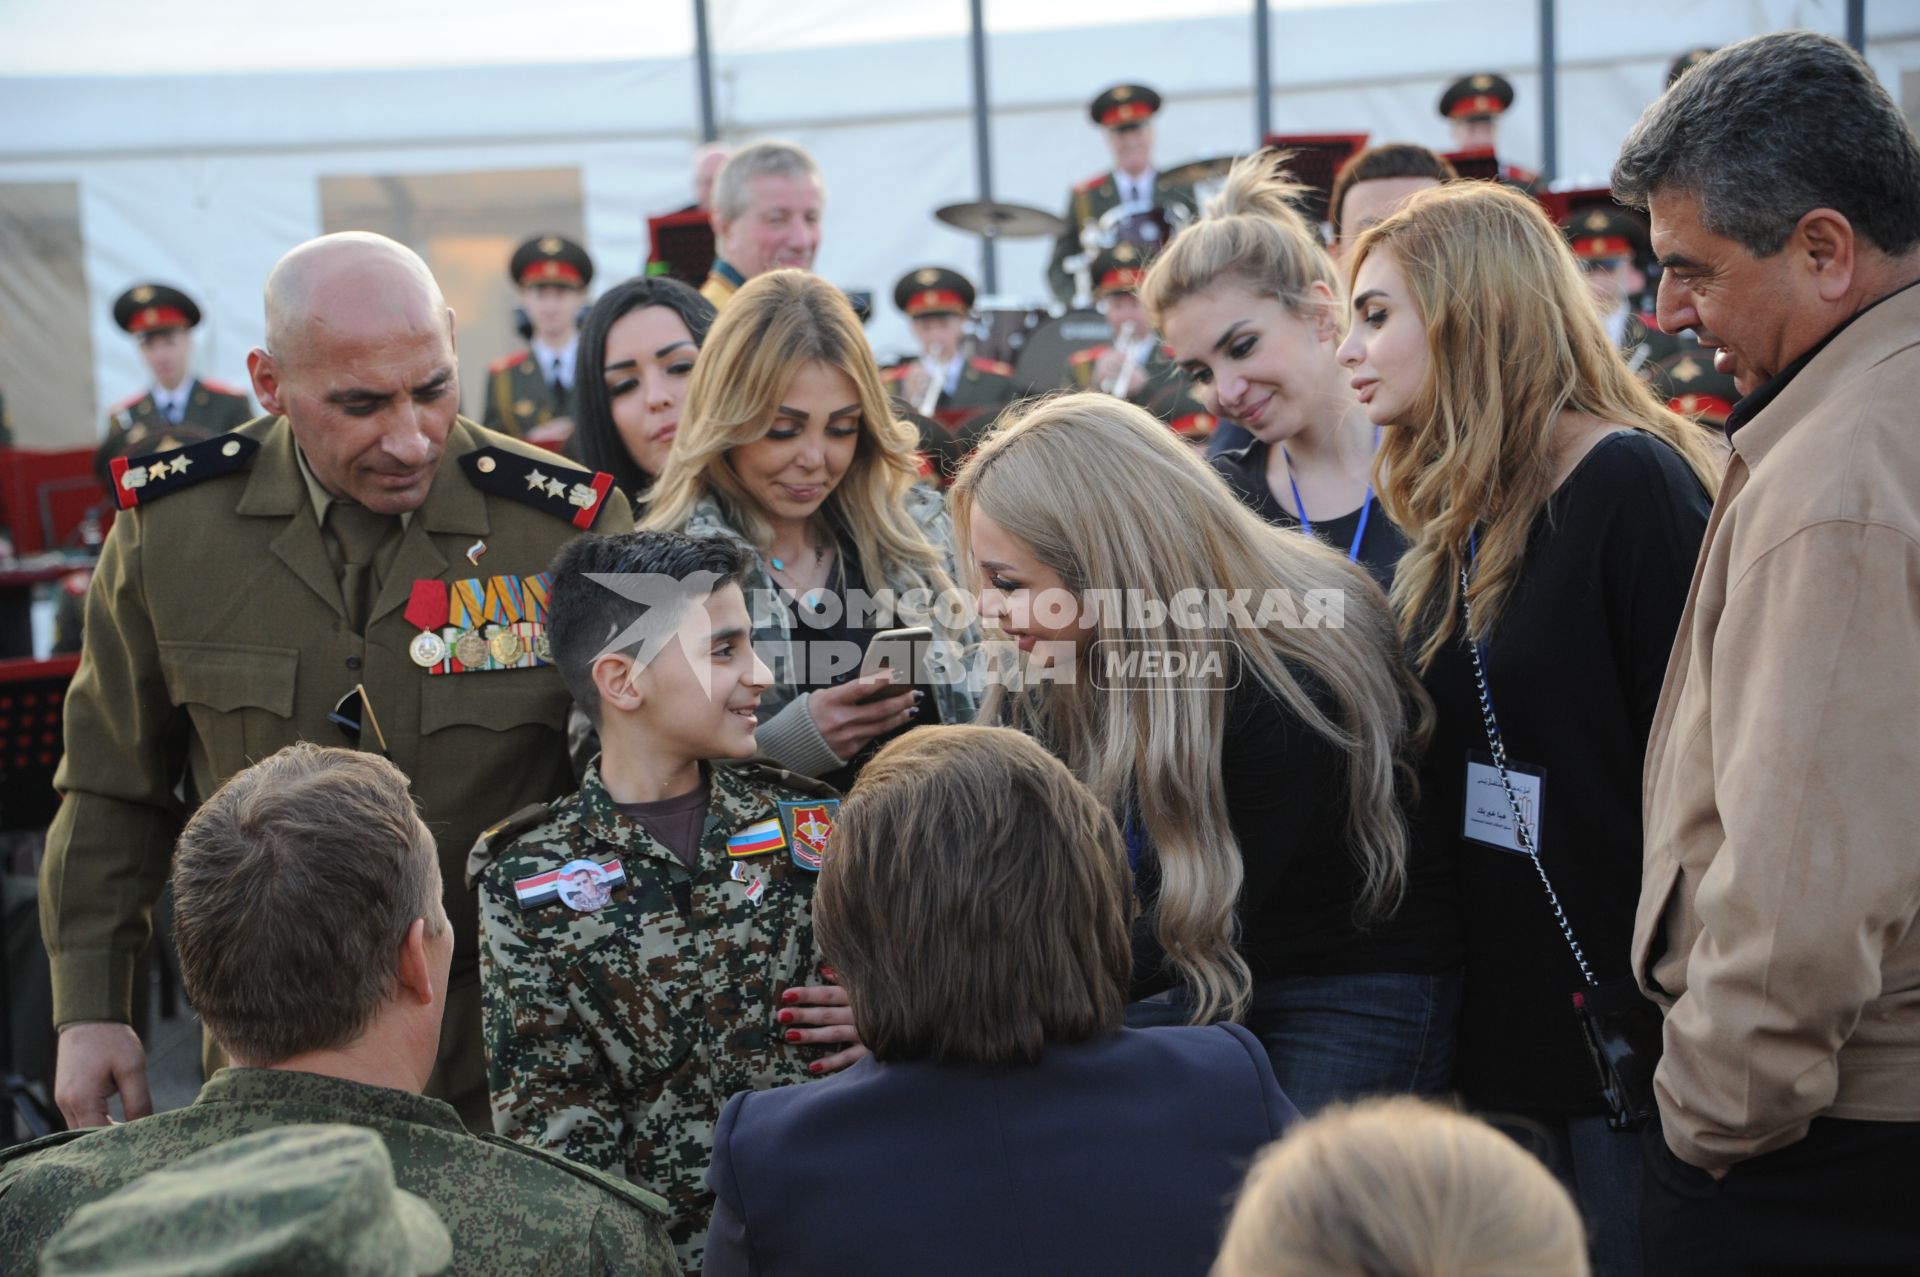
559 386
175 410
359 532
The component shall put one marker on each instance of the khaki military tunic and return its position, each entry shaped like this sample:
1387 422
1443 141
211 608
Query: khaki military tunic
511 1211
211 408
216 634
520 398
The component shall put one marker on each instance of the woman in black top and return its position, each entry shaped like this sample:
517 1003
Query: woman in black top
637 349
1180 656
1521 452
1249 302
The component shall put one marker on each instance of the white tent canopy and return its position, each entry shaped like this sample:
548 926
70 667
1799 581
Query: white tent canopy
195 143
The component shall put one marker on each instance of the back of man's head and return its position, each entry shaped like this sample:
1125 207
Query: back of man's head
627 594
295 886
1767 130
732 194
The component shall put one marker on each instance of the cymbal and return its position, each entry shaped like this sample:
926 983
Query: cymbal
1194 172
1002 221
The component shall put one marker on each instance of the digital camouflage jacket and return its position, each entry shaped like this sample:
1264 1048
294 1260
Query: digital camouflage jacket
616 1031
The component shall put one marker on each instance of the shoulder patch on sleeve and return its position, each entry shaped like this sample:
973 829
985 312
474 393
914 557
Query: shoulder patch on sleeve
142 480
222 388
993 366
546 483
497 837
630 1193
507 361
1091 182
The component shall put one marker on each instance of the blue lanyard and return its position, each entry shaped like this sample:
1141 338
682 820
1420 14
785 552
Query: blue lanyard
1300 507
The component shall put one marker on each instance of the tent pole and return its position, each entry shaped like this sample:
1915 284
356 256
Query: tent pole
1262 74
1857 26
703 71
1549 91
983 145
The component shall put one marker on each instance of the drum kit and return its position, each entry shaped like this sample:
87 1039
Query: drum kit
1040 340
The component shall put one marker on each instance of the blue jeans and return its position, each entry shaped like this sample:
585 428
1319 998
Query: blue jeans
1342 1037
1601 1169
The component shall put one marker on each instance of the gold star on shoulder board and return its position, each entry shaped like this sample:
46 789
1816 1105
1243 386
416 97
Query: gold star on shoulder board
180 463
555 488
536 480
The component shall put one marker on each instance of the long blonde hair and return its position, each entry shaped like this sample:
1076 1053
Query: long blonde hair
1252 234
1401 1188
1513 341
1053 477
768 331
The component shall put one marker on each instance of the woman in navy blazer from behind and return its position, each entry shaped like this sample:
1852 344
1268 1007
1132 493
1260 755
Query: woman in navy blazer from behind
976 904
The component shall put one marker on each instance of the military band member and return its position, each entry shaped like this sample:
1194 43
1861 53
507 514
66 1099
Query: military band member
1609 243
1124 114
1153 380
362 566
1691 385
767 203
1472 107
640 938
939 302
530 392
162 319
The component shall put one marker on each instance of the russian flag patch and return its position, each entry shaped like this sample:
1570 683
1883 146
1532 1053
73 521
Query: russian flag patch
757 839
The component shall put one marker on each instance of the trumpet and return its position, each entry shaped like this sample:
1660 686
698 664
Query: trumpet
1131 361
936 382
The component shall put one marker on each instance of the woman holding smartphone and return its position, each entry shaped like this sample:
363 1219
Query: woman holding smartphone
787 442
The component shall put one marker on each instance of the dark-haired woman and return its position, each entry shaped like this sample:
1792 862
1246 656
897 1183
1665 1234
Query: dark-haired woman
636 352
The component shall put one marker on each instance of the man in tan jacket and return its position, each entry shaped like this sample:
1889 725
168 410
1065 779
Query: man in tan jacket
1782 879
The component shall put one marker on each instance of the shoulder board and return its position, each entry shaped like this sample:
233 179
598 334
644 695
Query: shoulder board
777 782
630 1193
549 483
897 372
142 480
1093 181
129 401
507 361
993 366
222 388
497 837
1090 355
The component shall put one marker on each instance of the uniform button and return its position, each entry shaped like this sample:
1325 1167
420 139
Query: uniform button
353 662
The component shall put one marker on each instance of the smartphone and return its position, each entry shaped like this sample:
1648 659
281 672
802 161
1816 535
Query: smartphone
903 651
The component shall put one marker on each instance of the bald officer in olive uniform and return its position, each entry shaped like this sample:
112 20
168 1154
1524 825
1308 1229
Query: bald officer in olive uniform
938 302
1124 114
530 392
162 320
362 566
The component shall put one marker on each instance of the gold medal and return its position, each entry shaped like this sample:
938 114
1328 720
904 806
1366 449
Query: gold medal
427 649
470 649
505 646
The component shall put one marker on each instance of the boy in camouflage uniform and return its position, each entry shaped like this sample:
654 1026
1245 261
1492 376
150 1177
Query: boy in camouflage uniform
640 939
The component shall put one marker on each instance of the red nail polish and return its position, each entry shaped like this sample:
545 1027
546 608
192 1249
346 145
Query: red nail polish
786 1017
793 1035
791 995
815 1067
